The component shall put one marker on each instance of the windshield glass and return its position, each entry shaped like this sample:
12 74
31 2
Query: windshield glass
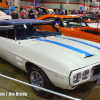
30 31
73 22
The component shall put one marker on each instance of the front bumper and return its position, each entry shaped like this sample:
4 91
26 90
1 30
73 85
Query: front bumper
94 74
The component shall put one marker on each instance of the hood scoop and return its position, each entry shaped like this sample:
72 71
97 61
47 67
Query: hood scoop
88 56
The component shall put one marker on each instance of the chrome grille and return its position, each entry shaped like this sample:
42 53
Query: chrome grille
96 70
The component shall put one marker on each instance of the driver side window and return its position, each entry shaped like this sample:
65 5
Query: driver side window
59 22
55 21
7 33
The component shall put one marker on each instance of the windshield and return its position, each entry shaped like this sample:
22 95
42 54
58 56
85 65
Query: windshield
73 22
30 31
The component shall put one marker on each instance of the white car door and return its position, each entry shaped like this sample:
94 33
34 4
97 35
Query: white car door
7 46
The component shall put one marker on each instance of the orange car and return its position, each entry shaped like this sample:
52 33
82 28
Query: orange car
73 26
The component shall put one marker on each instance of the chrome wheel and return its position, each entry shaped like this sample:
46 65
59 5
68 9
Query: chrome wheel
36 79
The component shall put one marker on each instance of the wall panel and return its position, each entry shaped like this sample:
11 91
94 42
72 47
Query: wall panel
73 4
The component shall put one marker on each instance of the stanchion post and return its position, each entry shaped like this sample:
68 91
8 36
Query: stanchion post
17 3
67 3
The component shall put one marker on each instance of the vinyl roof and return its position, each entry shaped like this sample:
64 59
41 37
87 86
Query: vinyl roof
21 21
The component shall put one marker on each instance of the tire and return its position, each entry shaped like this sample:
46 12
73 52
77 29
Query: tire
42 81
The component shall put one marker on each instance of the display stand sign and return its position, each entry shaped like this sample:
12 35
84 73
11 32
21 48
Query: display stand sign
81 8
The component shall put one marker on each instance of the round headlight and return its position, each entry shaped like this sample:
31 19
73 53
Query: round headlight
77 78
85 74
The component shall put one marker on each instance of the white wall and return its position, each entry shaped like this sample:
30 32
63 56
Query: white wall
70 6
73 4
22 3
11 2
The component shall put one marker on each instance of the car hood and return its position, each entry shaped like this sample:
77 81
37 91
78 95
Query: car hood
78 52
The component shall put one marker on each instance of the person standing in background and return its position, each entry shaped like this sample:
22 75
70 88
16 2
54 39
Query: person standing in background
27 14
60 12
32 13
69 12
74 11
61 5
23 14
14 15
63 11
56 12
40 12
66 12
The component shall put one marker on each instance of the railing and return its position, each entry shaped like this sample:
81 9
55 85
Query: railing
43 89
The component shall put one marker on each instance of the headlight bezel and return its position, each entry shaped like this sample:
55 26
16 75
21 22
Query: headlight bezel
86 75
79 80
82 69
78 77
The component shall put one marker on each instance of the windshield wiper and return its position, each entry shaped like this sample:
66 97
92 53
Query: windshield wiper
34 37
27 37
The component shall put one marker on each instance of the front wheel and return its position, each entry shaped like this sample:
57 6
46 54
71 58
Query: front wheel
37 76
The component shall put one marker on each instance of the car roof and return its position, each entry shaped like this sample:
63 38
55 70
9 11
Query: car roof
22 21
62 16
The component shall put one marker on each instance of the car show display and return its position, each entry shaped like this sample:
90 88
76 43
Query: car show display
92 20
72 25
50 58
49 49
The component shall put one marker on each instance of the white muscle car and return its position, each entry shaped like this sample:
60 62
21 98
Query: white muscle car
4 16
49 58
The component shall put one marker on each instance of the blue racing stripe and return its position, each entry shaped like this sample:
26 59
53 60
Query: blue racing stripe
66 46
80 42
